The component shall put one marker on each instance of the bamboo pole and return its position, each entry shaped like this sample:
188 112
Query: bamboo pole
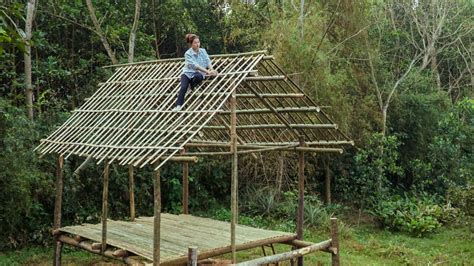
192 256
278 110
182 59
57 208
185 187
105 194
131 190
234 175
335 242
157 219
300 218
86 245
298 253
281 126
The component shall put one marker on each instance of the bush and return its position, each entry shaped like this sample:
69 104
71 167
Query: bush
415 216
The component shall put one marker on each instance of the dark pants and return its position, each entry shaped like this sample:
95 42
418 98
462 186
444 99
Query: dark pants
185 82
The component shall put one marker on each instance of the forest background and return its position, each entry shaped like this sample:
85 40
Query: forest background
397 76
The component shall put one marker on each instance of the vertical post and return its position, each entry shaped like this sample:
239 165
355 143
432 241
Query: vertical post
327 175
131 190
157 219
300 217
105 195
57 208
334 242
192 256
234 175
185 187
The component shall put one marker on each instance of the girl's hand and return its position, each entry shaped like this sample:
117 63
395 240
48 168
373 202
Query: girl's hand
212 73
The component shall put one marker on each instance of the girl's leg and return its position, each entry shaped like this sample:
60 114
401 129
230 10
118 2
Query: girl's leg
197 79
182 92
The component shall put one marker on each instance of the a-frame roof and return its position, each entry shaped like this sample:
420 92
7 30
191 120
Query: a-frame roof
129 118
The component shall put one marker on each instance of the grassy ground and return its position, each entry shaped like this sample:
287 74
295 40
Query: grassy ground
361 245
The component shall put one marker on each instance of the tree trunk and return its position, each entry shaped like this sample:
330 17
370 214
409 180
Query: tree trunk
133 31
384 119
98 29
155 30
27 56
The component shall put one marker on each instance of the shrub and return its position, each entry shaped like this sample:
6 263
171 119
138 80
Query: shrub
415 216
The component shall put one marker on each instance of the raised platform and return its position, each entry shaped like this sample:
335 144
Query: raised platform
178 232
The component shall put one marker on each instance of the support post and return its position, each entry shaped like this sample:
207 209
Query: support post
185 187
192 256
131 190
334 242
105 205
157 219
327 181
300 217
234 175
57 209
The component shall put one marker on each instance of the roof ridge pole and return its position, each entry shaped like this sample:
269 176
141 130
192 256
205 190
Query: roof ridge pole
300 217
234 175
57 208
156 218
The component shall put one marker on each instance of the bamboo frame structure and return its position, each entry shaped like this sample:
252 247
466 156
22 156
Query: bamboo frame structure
251 107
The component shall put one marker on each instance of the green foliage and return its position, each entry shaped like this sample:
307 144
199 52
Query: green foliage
417 216
374 167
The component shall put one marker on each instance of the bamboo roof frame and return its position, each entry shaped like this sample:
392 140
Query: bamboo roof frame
129 118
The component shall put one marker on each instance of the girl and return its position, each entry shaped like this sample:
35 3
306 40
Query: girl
197 66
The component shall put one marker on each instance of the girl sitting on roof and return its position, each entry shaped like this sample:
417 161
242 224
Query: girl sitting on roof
197 66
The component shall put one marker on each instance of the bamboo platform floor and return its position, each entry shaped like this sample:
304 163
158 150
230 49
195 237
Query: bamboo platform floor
178 232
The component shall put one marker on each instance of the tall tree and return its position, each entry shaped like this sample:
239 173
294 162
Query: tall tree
133 31
99 31
30 10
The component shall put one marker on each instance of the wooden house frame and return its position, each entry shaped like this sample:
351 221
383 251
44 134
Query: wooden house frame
252 106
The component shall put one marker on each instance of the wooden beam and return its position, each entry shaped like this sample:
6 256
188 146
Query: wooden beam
228 249
185 186
279 126
157 218
272 95
278 110
131 191
58 208
287 255
265 78
268 105
234 175
105 195
300 217
192 256
86 245
335 242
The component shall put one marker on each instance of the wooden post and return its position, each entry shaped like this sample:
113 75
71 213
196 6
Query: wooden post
334 242
192 256
57 208
185 187
300 217
157 219
105 194
327 175
131 190
234 175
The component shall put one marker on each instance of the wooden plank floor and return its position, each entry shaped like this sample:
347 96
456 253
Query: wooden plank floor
178 232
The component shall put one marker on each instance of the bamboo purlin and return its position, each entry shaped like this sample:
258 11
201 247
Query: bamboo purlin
129 119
